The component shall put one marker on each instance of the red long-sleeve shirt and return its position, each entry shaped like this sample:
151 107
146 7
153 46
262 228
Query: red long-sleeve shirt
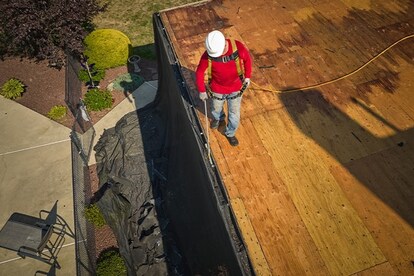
224 76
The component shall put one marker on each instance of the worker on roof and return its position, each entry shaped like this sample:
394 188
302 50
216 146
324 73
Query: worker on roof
229 68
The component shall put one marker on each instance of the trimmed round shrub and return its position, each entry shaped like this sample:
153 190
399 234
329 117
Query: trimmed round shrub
110 263
107 48
93 215
97 99
57 112
97 75
12 89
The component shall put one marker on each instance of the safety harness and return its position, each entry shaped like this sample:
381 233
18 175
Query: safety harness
234 56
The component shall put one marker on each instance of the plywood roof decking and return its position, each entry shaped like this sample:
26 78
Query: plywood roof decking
323 180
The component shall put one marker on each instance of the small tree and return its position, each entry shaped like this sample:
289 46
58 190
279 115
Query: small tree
45 29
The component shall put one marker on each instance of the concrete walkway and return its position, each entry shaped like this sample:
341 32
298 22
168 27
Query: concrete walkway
139 98
35 171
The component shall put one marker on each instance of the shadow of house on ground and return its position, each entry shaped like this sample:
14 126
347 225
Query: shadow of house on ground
131 171
130 163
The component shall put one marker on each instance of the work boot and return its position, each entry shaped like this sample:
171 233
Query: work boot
214 124
233 141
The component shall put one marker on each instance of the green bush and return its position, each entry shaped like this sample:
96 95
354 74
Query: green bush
12 89
57 112
110 263
93 215
97 75
97 100
107 48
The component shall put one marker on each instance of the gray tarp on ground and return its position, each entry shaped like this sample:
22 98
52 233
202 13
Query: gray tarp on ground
129 201
156 167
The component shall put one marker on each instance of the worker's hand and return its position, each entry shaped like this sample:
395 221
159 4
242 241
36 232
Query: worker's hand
246 82
203 96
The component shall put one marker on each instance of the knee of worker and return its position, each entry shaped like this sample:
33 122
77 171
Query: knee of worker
234 109
217 105
234 114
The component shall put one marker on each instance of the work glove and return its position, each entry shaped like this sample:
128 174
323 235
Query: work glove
203 96
246 82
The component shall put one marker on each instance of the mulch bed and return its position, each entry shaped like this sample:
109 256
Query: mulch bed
45 88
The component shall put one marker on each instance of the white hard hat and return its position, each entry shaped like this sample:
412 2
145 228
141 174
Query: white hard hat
215 43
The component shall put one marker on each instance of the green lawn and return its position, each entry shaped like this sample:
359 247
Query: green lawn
134 18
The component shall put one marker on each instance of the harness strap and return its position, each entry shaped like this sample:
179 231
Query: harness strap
228 58
237 60
209 69
210 93
234 56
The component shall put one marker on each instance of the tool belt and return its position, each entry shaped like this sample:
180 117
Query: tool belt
210 93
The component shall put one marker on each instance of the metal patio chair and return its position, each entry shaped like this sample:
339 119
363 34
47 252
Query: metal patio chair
51 272
36 237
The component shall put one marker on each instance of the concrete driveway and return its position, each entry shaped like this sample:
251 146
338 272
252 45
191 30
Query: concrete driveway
35 171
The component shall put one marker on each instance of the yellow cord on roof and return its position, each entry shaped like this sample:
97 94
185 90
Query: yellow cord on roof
338 78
